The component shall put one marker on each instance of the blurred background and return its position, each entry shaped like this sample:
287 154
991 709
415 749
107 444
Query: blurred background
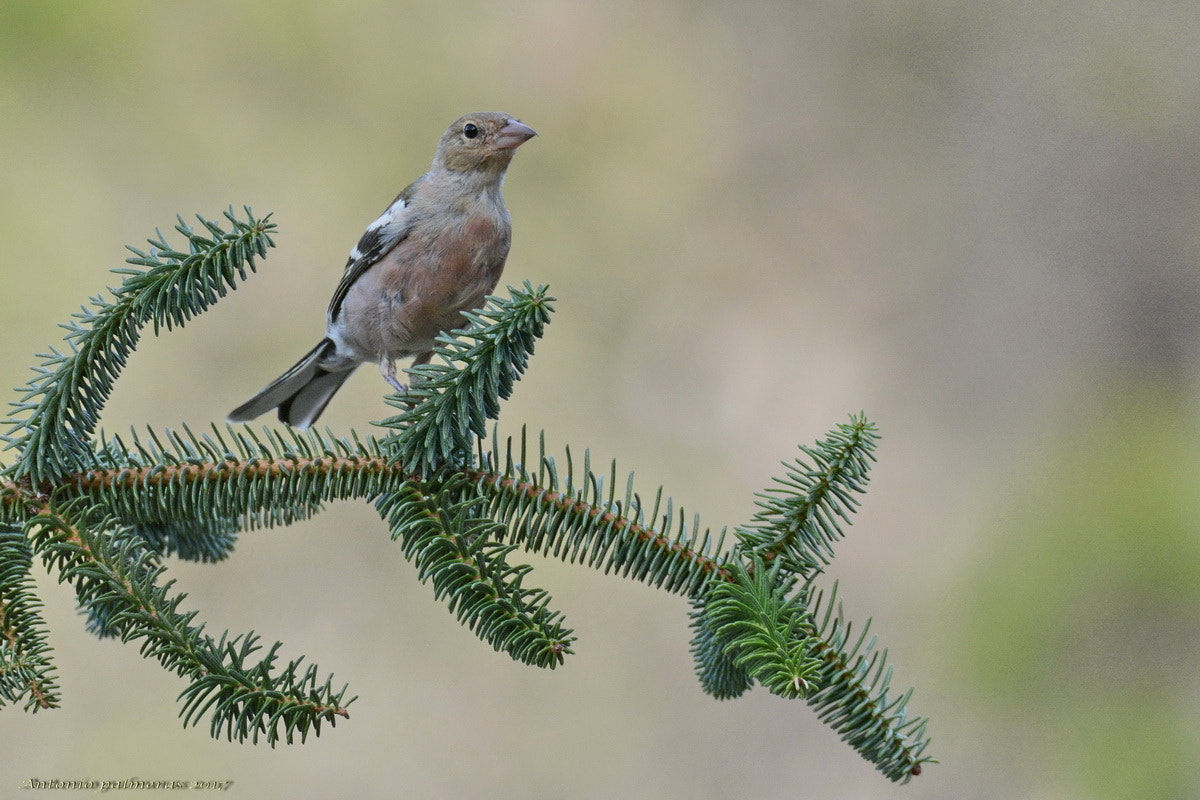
979 223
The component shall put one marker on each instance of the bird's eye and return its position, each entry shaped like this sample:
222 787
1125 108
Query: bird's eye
470 130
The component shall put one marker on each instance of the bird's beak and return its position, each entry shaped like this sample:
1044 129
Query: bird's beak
513 135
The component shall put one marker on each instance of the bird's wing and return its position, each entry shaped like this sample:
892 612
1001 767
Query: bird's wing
380 236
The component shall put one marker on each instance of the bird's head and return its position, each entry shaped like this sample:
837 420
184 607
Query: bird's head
482 142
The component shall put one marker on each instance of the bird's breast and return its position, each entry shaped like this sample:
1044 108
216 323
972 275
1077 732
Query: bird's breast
469 258
420 289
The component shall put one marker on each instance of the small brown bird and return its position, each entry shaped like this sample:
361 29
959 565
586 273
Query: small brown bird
436 251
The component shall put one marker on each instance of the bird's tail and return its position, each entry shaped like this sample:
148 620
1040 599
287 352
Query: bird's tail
300 394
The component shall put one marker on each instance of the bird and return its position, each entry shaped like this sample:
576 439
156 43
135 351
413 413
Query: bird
436 251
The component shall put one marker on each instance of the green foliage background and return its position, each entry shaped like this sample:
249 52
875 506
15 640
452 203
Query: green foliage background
978 224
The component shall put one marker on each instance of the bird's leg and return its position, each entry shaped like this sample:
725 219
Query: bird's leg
388 368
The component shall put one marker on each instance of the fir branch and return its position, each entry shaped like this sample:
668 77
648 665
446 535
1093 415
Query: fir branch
119 578
852 696
574 517
448 404
204 483
453 548
208 485
249 701
25 666
719 673
800 519
57 414
761 629
206 542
